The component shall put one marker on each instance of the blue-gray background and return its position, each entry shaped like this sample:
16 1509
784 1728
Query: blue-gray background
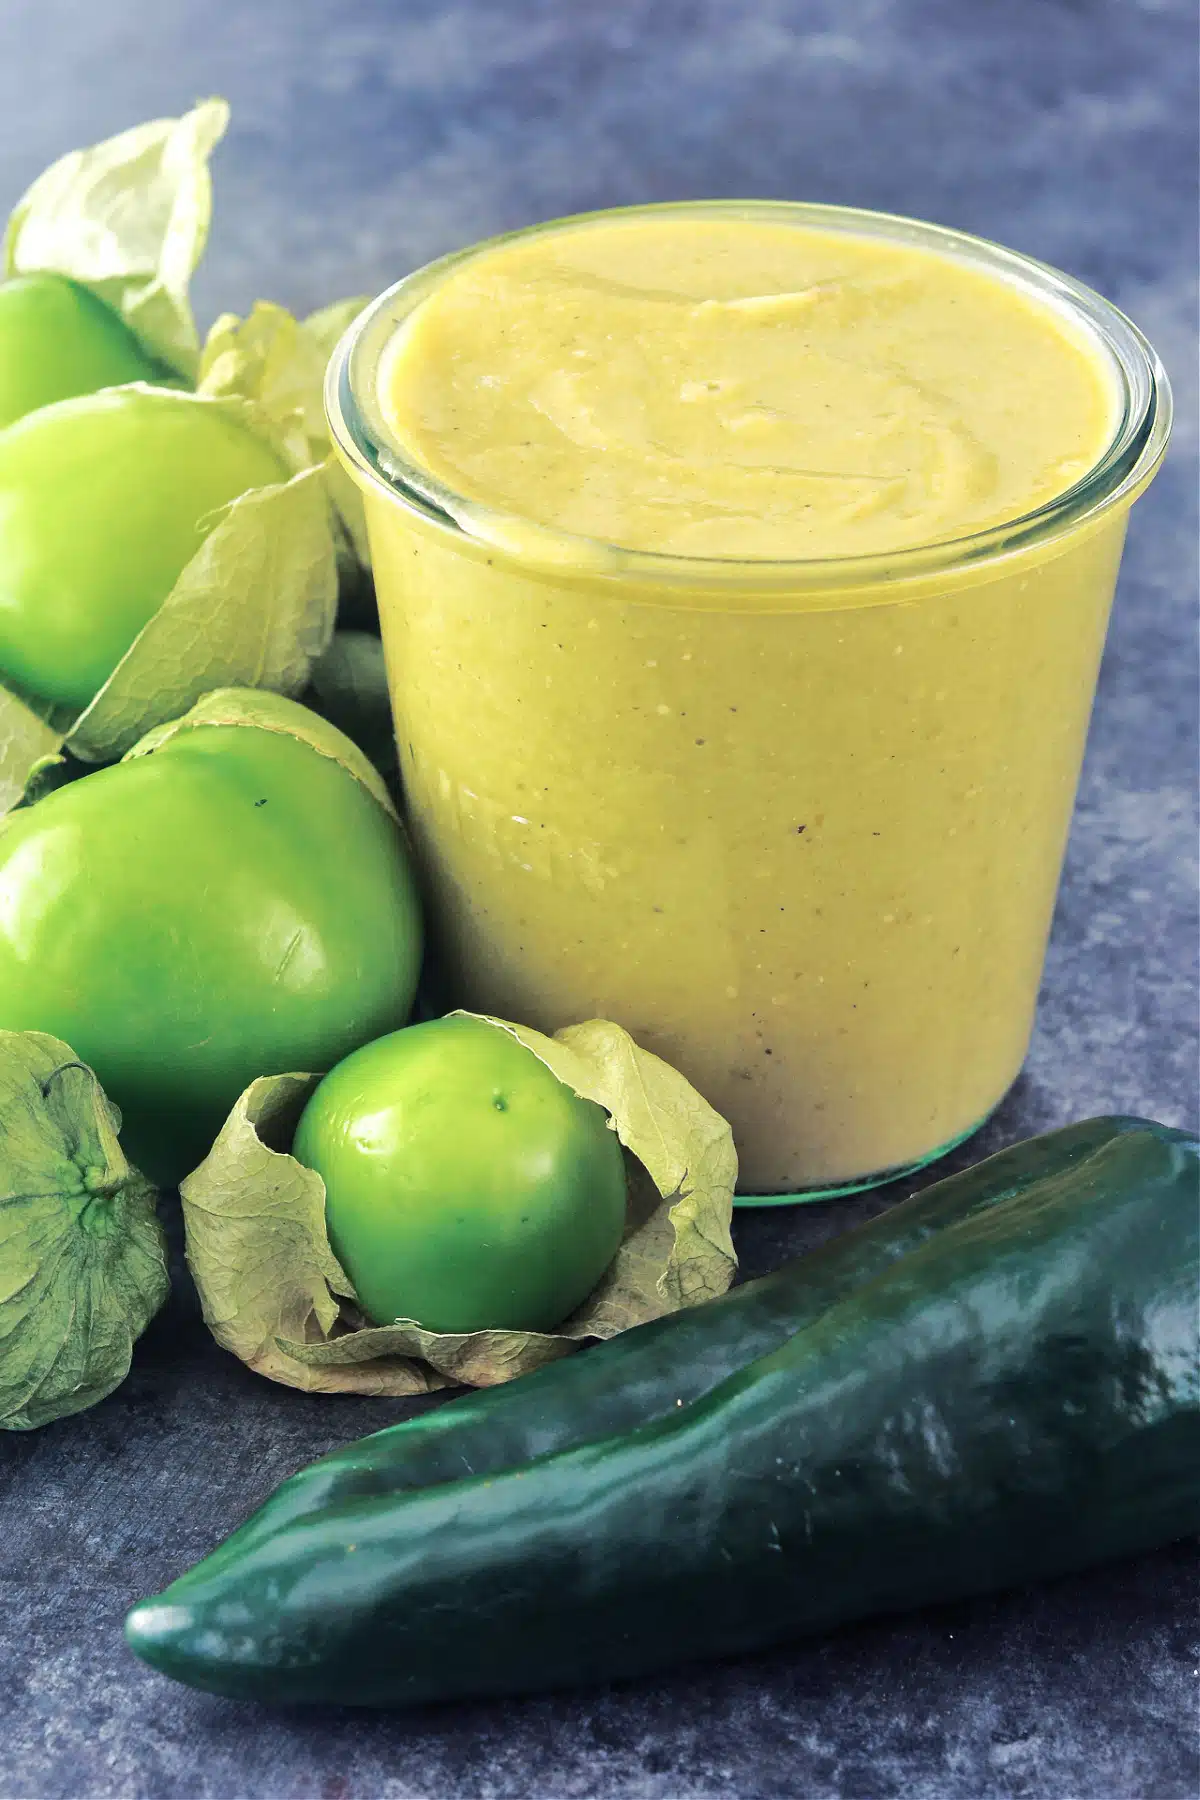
368 136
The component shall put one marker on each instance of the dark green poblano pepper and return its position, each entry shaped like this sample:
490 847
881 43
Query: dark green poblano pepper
994 1382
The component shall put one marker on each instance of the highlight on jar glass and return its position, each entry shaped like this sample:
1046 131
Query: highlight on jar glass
744 571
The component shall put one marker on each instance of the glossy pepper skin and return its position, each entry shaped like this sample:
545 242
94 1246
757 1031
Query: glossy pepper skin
1016 1397
232 905
646 1373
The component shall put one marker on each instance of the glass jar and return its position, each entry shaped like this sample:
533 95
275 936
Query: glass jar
798 826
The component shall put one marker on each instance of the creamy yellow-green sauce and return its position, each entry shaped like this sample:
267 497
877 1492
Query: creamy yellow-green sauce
803 845
727 387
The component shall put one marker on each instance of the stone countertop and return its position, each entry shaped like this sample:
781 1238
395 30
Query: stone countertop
366 138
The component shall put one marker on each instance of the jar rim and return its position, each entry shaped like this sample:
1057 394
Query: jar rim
1128 462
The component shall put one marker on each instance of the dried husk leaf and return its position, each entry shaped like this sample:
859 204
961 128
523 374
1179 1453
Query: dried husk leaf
82 1254
128 219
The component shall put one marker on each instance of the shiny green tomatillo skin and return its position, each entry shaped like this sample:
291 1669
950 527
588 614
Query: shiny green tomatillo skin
1017 1397
647 1373
57 340
104 500
233 905
466 1186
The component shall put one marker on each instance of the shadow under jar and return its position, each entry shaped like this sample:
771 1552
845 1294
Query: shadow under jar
795 820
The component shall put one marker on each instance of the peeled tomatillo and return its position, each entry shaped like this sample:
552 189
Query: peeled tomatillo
466 1186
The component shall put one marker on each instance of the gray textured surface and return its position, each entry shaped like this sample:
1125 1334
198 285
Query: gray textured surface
368 136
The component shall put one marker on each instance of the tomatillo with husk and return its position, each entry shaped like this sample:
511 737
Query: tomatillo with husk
236 898
59 340
466 1186
104 500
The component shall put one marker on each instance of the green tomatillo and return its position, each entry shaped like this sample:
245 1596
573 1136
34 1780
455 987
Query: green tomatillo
467 1187
103 502
59 340
234 899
